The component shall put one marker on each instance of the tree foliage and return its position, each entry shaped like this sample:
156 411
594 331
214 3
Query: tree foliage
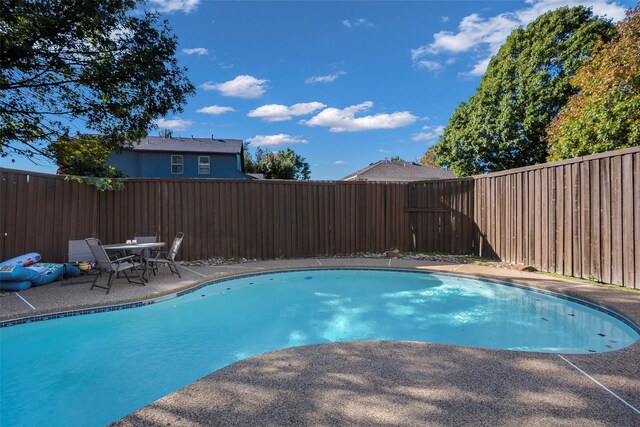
605 114
84 156
429 158
525 86
84 66
82 159
281 164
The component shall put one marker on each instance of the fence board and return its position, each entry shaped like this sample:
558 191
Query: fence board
559 239
616 221
628 257
605 216
596 253
636 217
585 219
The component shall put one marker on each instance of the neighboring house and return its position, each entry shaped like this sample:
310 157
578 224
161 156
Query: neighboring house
157 157
394 170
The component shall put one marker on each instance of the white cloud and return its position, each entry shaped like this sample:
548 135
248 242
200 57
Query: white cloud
120 34
215 110
486 35
195 51
345 121
444 19
174 124
339 162
431 133
360 22
384 151
325 79
168 6
242 86
479 68
275 140
429 65
280 113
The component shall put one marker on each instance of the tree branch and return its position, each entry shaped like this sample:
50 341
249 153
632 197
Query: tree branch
62 82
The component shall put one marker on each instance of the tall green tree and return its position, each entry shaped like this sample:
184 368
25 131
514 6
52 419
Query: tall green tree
249 164
605 114
71 66
526 84
281 164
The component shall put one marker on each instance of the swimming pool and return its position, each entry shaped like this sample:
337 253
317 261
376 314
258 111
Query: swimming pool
93 369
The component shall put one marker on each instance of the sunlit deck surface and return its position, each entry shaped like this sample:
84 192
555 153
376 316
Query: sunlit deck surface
383 382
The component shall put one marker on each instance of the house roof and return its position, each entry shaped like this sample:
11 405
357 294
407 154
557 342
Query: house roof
189 145
393 170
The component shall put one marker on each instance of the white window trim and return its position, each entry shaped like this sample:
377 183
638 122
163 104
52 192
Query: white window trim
176 164
208 165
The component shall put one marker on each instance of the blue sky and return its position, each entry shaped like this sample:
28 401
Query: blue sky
342 83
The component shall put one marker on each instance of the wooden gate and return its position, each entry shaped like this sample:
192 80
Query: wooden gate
440 216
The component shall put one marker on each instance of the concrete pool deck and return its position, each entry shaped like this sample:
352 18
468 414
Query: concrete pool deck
383 382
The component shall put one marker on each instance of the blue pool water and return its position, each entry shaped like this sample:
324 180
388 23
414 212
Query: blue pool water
93 369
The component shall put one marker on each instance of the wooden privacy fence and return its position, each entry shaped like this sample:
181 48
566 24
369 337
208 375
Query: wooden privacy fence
579 217
228 218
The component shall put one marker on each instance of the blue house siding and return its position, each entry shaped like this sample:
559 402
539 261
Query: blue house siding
136 164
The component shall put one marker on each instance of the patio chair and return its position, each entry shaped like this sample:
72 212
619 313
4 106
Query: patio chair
147 237
113 266
79 253
167 258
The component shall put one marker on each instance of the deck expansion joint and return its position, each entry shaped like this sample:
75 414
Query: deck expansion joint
192 271
26 302
633 408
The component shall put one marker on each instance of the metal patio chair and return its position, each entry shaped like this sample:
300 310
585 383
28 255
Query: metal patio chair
113 266
147 237
167 258
79 253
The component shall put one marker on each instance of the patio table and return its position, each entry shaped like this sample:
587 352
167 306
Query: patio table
145 247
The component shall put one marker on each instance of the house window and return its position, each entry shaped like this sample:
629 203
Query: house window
203 165
177 163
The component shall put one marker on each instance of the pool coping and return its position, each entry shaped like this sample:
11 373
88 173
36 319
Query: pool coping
596 305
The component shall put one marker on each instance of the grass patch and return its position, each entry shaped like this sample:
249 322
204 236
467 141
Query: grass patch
591 282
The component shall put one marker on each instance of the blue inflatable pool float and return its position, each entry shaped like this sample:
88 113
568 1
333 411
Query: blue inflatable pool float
19 278
15 286
16 273
47 273
22 260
